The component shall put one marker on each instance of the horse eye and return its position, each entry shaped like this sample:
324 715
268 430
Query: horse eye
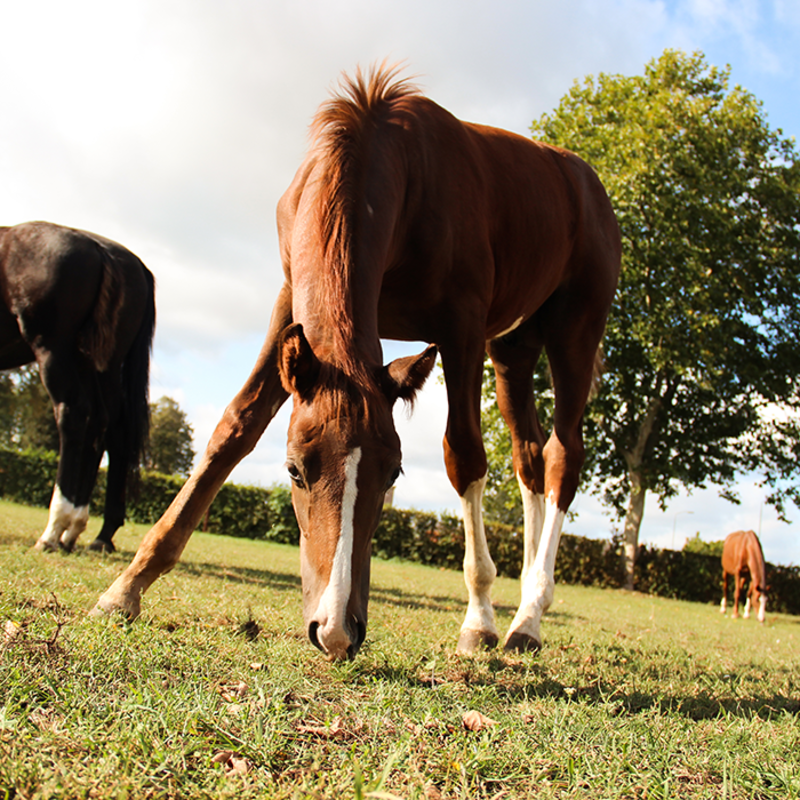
295 475
395 476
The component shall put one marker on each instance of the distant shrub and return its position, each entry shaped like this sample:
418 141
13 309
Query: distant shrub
27 476
697 545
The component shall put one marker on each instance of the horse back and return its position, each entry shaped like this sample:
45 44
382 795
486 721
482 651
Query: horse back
742 549
64 285
501 217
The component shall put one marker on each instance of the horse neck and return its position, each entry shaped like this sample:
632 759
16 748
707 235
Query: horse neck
339 314
341 268
756 565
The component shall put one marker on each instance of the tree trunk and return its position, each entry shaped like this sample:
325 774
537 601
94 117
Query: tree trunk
635 459
633 522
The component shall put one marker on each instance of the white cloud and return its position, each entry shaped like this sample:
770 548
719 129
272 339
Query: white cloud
174 126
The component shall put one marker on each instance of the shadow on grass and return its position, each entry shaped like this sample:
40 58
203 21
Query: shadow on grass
526 678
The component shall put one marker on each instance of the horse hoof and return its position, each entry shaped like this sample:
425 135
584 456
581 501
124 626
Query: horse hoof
44 547
472 641
99 612
518 642
101 546
66 548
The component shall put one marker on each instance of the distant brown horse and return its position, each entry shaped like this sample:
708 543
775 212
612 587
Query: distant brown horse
742 557
405 223
83 308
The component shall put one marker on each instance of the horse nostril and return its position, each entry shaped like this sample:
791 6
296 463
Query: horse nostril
360 630
312 635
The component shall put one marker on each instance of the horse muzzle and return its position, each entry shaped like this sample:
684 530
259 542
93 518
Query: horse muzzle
339 640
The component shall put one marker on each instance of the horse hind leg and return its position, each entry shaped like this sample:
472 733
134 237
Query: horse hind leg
81 428
723 606
116 480
571 351
64 525
747 603
514 363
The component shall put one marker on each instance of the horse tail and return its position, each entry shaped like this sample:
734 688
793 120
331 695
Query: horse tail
97 338
136 380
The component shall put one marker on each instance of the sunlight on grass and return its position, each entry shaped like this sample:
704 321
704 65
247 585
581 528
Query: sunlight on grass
215 691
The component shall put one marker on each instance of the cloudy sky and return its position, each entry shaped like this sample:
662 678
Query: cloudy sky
173 126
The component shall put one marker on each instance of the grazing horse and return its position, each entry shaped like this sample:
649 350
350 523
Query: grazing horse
83 308
743 557
406 223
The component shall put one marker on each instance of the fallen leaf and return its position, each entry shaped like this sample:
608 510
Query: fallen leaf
331 731
10 631
232 763
238 766
222 757
475 721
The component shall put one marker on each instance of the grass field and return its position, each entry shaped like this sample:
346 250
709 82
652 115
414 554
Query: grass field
215 691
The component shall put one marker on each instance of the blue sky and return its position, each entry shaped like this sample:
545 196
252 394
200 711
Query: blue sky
174 126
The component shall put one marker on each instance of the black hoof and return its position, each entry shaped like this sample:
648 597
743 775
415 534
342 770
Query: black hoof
66 548
101 546
522 643
473 641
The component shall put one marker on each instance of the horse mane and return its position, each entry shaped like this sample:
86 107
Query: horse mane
340 133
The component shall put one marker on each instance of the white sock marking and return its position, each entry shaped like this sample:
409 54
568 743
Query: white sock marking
479 569
539 584
66 522
533 506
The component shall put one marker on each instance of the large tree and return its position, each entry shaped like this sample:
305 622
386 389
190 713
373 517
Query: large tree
702 349
169 448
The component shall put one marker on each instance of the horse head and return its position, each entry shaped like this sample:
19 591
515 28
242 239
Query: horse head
343 454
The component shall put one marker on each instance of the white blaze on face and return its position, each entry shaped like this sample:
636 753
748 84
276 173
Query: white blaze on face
332 609
762 608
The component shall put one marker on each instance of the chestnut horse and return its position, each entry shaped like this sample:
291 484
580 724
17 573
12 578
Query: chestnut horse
83 308
742 557
405 223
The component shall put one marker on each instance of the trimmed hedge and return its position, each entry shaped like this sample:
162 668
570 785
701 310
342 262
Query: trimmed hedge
246 511
438 540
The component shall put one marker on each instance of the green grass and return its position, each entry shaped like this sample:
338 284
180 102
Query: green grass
631 697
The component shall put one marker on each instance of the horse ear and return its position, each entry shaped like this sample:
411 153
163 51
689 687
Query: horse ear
404 377
299 367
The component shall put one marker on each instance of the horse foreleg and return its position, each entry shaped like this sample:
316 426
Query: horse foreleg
465 460
237 433
478 629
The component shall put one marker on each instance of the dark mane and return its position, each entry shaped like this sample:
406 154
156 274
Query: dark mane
340 131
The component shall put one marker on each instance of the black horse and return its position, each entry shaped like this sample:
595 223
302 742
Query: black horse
83 308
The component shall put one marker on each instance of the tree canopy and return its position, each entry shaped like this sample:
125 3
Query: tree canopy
702 348
169 448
